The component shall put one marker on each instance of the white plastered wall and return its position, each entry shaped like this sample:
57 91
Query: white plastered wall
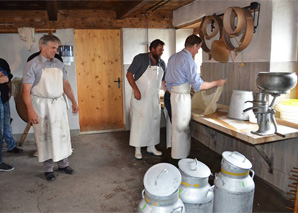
16 54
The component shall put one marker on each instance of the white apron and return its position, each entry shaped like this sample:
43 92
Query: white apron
145 113
181 115
52 133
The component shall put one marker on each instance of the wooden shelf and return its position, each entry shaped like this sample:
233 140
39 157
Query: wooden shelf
242 129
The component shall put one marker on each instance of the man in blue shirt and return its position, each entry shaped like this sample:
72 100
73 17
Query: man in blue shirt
181 73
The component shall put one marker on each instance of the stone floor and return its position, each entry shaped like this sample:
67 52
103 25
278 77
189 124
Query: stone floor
108 178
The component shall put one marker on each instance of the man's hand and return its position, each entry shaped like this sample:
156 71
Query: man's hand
137 94
75 108
33 117
221 82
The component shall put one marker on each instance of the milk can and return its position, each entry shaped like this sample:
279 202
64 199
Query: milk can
234 187
195 191
161 193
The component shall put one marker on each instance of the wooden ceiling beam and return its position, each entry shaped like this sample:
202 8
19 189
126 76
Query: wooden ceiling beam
52 10
129 7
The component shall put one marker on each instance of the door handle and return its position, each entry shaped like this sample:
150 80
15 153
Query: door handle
118 82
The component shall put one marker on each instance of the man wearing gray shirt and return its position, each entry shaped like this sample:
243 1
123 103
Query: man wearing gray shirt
145 75
44 82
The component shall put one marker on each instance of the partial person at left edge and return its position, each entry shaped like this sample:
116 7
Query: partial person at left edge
44 82
5 90
3 166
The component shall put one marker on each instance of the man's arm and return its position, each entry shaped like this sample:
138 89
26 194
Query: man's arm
26 93
209 85
3 79
9 92
68 91
131 81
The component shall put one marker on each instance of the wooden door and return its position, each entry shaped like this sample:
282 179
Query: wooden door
98 65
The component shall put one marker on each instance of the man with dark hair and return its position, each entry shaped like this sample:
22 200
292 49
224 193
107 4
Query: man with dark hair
44 82
145 75
181 73
5 92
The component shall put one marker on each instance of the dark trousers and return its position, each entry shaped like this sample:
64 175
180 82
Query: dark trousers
167 102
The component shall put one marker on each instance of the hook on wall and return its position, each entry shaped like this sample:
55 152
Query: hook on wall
255 6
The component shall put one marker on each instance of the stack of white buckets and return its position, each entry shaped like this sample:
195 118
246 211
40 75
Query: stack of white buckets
168 189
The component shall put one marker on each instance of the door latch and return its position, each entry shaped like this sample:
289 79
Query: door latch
118 82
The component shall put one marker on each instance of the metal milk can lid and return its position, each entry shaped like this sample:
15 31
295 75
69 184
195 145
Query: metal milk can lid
237 159
162 179
194 168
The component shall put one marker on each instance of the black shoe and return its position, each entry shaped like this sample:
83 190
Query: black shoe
50 176
15 150
67 170
5 167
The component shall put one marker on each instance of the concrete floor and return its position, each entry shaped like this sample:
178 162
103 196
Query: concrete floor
108 178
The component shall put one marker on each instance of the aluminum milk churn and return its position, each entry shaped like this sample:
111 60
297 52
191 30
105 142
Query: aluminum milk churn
195 191
161 193
234 187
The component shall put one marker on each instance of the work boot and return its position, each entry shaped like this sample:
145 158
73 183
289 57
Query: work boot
68 170
138 153
153 151
15 150
50 176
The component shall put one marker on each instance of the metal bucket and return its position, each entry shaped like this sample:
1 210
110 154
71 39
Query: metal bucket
196 193
234 187
161 193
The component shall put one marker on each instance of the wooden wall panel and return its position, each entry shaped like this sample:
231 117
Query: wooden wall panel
243 78
98 65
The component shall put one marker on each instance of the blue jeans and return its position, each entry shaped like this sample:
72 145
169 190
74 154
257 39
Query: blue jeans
1 128
167 103
6 130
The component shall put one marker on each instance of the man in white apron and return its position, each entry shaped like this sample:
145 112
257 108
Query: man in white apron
44 83
145 76
181 73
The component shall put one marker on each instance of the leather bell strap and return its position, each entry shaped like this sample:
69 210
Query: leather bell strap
229 21
207 21
204 46
247 34
203 31
219 50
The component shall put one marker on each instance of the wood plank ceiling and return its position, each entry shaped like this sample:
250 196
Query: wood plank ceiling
94 14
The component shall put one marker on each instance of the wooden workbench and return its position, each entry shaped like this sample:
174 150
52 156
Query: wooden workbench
242 129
